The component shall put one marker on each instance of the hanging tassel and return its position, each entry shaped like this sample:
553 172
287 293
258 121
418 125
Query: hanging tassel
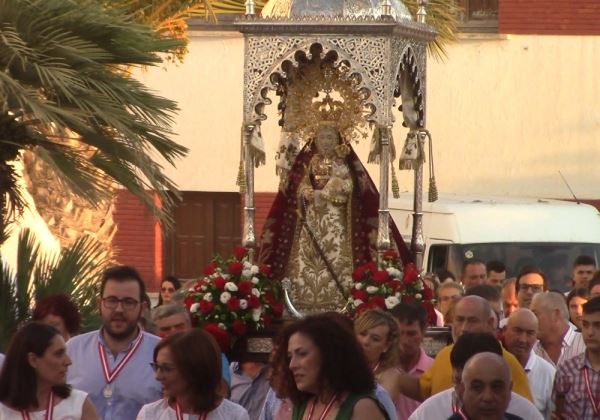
411 152
241 176
375 149
433 191
395 186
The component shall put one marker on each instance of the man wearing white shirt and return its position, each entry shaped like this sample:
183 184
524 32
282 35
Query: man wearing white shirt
519 338
446 403
557 339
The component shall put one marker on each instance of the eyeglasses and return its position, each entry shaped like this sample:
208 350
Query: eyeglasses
167 289
112 302
535 288
163 368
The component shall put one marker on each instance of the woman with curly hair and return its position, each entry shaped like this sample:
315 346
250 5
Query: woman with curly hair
320 367
33 378
377 332
59 311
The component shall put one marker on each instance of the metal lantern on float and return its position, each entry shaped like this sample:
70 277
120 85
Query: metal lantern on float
370 52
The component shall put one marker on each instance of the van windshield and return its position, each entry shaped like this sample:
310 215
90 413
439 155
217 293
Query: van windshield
555 259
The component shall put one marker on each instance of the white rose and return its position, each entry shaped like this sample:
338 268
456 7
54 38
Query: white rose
358 286
391 301
231 286
357 303
247 265
254 269
194 307
222 326
418 296
208 297
225 296
372 289
255 280
243 303
393 272
203 288
255 292
246 272
256 313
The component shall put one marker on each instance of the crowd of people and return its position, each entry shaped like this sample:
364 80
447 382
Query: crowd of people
518 351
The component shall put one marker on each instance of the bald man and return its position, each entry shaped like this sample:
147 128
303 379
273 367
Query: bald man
485 389
471 314
519 338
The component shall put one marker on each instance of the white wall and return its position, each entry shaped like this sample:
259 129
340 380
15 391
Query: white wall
506 113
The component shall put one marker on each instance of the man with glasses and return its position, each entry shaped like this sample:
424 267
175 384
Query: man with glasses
113 364
530 281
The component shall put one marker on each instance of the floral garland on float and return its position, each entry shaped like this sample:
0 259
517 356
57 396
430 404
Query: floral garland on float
235 297
386 284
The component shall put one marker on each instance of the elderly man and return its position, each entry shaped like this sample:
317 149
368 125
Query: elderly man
447 294
557 339
447 403
530 281
471 314
171 318
473 273
519 338
485 389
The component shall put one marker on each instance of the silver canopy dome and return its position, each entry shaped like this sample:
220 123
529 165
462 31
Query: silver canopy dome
350 9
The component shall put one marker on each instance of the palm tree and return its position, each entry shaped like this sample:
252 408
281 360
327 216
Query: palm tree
75 272
66 95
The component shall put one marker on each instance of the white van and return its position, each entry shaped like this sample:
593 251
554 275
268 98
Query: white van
517 231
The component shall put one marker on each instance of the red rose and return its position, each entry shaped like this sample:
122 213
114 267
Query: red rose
408 298
427 293
253 302
377 301
265 269
277 309
233 304
245 287
266 319
269 298
210 269
358 274
220 336
188 301
239 327
219 283
380 276
410 274
206 307
390 254
371 266
235 268
240 252
359 294
198 286
395 285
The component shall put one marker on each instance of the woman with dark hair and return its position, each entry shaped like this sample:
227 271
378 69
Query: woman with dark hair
320 367
575 300
188 365
169 285
59 312
33 378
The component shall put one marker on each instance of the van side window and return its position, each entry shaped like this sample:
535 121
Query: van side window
438 256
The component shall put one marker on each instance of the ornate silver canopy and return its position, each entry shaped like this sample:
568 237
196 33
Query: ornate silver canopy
373 45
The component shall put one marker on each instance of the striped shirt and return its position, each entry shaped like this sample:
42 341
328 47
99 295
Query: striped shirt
572 345
569 385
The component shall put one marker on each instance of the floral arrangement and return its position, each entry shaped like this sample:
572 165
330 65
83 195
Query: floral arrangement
234 297
386 285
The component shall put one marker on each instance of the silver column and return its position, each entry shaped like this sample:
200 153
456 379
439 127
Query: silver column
383 234
249 238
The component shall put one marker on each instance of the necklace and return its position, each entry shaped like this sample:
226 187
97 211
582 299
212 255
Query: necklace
311 411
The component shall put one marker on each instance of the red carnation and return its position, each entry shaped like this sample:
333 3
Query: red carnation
377 301
240 252
253 302
410 274
395 285
359 294
220 336
219 283
427 293
371 266
358 274
265 269
238 327
245 287
277 309
380 276
233 304
235 268
210 269
206 307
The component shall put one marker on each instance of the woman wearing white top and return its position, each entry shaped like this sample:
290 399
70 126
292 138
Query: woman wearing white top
188 365
32 380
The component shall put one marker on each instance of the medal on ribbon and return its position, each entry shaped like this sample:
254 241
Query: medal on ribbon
109 376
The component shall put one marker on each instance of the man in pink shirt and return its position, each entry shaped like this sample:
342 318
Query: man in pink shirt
412 319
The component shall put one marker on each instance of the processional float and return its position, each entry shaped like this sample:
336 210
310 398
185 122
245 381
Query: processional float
372 53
